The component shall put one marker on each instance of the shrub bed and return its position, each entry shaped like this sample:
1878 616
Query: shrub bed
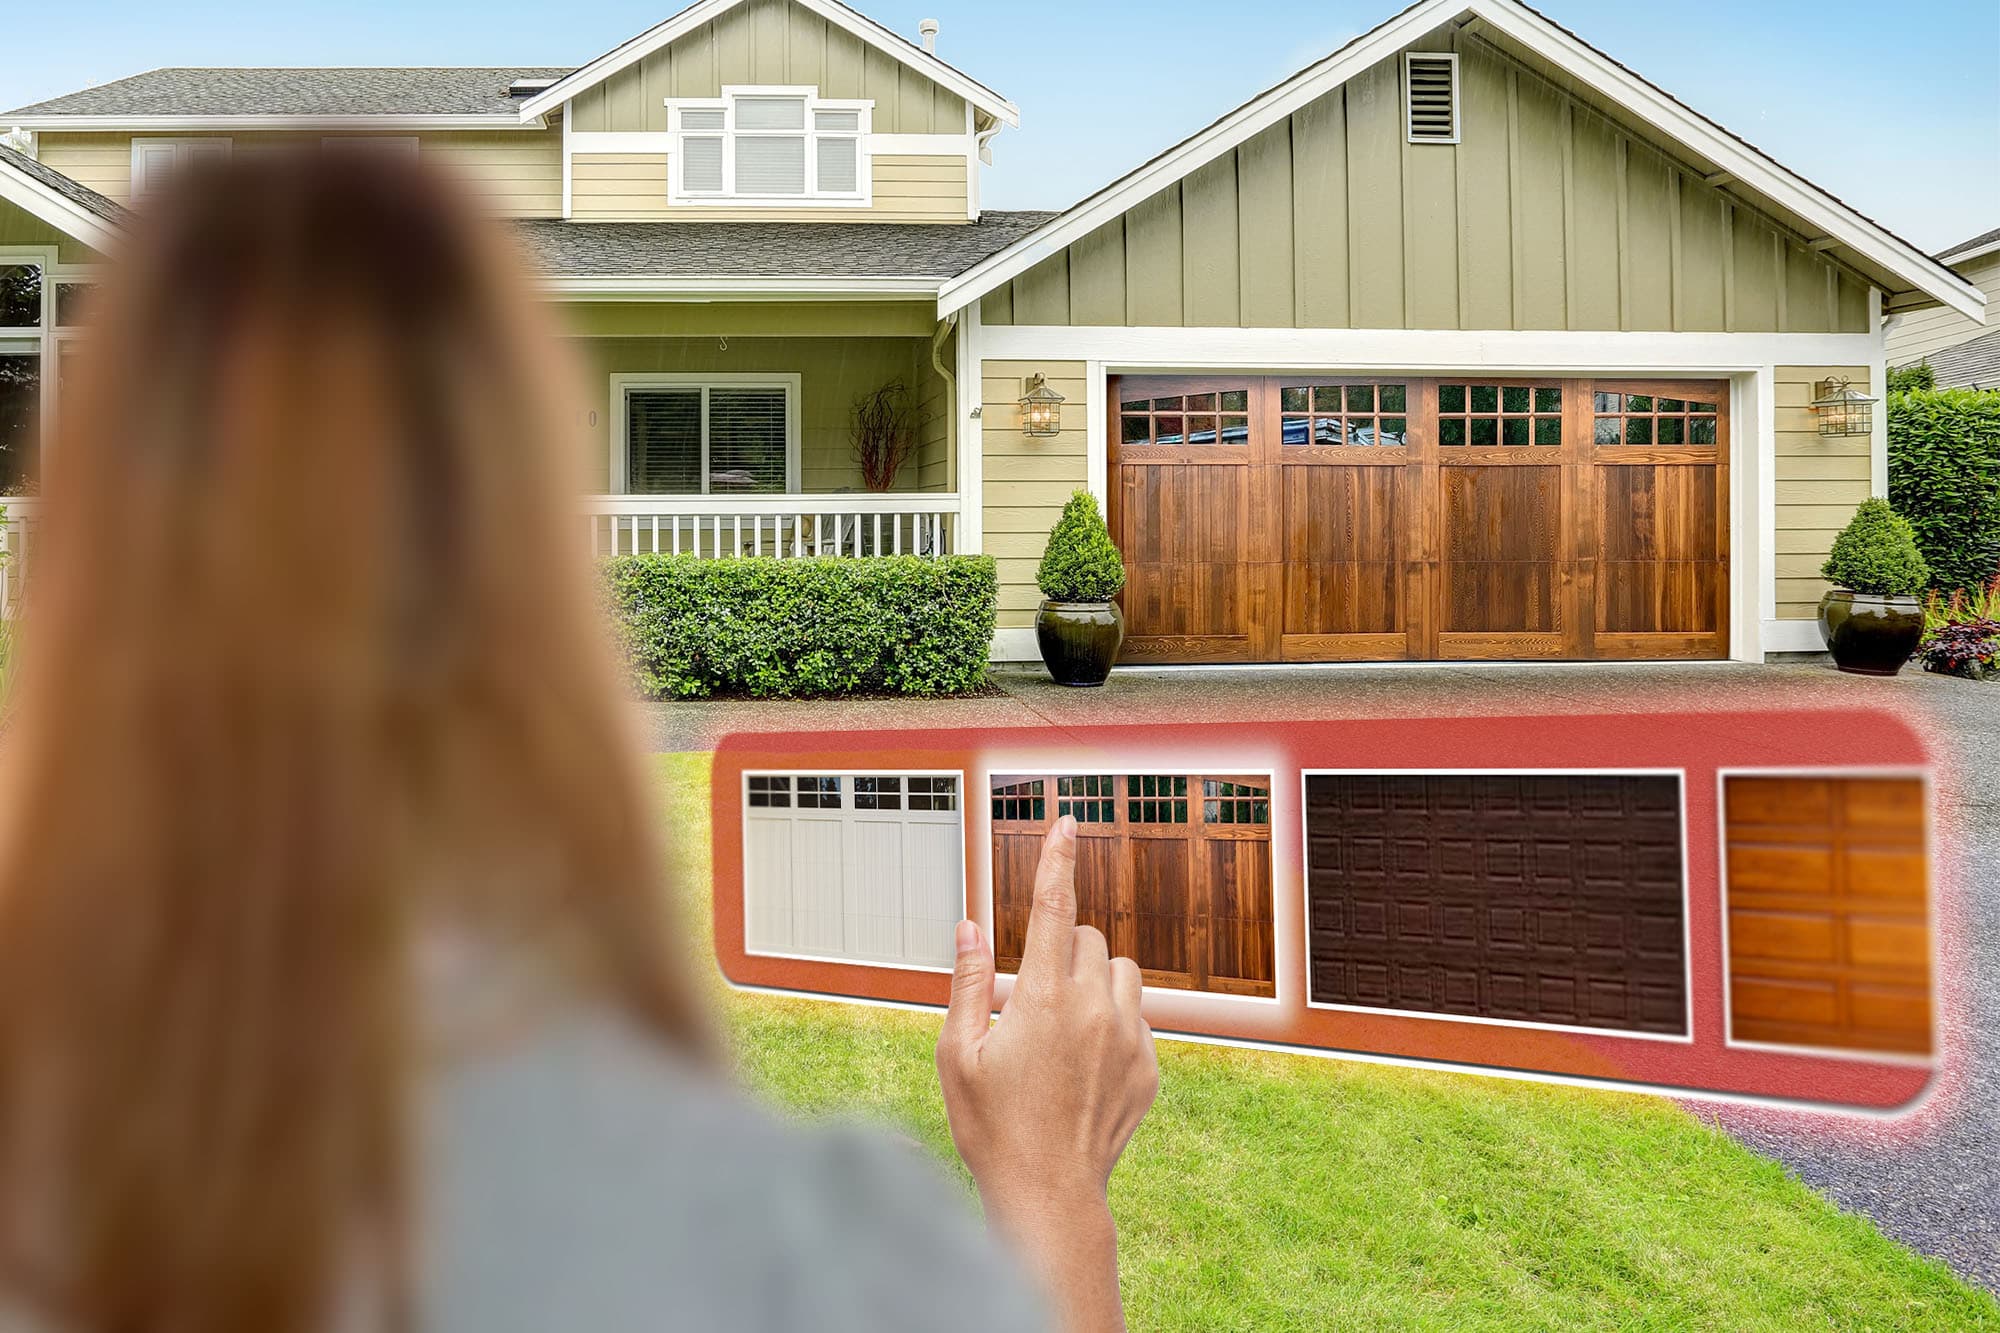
772 629
1944 476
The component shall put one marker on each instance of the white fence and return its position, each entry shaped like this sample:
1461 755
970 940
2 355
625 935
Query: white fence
916 523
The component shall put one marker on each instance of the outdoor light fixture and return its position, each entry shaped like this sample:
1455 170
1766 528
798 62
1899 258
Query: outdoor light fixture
1041 408
1842 409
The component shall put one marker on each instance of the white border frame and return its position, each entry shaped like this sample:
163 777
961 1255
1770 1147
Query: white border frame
862 196
743 854
1684 1038
622 383
1126 769
1409 130
1807 773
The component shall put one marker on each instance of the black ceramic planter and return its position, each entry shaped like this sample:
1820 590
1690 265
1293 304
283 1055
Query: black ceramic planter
1079 640
1870 634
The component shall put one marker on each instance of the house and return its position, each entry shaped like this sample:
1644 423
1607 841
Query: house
1963 350
1465 342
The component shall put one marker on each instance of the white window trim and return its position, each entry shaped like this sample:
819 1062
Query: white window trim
179 144
860 197
623 384
1409 131
39 342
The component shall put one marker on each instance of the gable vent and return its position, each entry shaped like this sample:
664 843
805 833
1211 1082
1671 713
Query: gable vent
1430 88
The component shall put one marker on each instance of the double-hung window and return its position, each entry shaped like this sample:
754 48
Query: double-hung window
26 314
705 434
769 146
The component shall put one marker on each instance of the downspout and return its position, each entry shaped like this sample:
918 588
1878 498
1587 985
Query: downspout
944 328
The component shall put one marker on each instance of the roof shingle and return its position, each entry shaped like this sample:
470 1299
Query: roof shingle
770 249
353 91
1972 364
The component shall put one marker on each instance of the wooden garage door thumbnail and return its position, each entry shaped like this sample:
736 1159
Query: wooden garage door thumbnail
1829 934
1173 868
1545 898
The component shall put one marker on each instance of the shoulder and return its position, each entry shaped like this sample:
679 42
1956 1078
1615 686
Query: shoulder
584 1178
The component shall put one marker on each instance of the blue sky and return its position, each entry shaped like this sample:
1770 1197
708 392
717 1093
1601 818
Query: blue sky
1896 109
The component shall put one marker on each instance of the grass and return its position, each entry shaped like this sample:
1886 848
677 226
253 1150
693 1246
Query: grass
1270 1191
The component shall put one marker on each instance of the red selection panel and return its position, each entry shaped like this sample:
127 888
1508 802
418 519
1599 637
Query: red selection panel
1544 895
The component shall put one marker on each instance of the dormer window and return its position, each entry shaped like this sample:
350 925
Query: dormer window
765 147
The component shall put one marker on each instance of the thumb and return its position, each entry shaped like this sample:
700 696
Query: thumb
971 1011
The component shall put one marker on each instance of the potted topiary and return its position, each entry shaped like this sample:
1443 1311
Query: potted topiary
1079 627
1871 619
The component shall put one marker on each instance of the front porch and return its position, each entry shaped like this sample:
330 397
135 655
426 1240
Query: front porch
729 429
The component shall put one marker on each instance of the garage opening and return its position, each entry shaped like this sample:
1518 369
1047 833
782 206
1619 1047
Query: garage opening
1318 518
1531 898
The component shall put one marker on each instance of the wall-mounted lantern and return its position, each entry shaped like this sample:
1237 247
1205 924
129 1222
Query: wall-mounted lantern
1041 409
1842 409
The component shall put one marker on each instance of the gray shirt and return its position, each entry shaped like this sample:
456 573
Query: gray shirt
581 1178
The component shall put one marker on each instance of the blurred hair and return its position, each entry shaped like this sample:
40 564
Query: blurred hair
313 665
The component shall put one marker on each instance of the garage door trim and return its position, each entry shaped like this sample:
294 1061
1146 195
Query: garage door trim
847 811
1921 776
1685 1037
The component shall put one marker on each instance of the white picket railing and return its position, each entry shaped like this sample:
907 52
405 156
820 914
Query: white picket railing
14 540
909 523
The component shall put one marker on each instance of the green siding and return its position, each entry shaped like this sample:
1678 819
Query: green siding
1546 215
769 42
20 227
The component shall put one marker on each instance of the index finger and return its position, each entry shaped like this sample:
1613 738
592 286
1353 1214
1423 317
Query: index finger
1045 955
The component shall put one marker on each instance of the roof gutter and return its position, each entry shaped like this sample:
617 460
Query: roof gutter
745 288
494 121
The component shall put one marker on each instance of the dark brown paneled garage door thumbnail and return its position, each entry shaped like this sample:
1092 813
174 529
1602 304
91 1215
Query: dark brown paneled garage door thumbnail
1548 898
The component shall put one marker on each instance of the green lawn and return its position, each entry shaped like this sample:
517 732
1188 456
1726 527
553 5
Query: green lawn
1269 1191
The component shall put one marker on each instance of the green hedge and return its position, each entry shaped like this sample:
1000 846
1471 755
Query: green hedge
771 628
1944 476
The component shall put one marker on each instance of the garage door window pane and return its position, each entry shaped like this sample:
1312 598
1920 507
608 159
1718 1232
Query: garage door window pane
1088 800
1156 799
1342 415
878 793
1020 802
819 793
770 793
933 793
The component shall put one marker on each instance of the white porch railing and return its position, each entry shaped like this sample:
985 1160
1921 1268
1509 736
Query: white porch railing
14 540
864 524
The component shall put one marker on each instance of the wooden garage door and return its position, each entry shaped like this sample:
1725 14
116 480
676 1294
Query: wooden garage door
1173 868
1547 898
1827 891
1326 518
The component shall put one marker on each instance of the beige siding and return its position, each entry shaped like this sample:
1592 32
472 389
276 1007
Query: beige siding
1920 333
1027 481
1819 482
633 186
1547 215
520 172
833 372
101 161
770 42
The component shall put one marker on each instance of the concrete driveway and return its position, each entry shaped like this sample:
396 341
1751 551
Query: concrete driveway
1931 1180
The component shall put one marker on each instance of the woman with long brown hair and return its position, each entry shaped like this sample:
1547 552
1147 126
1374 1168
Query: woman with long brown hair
334 985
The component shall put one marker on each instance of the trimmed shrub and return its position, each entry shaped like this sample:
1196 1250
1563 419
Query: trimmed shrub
1944 476
1877 553
774 629
1903 379
1081 562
